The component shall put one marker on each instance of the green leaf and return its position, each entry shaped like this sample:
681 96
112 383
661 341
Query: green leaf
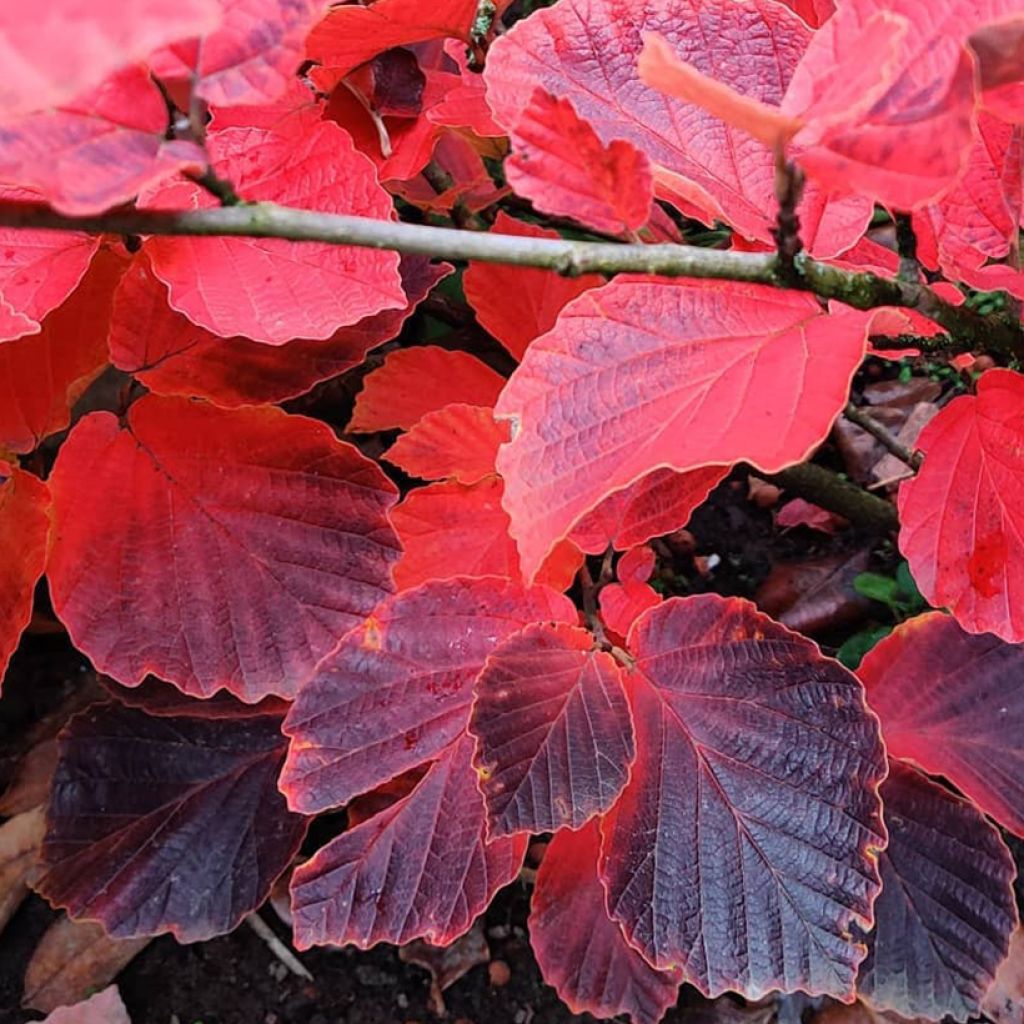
852 652
878 588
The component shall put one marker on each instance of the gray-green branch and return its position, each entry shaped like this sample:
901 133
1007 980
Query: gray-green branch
967 330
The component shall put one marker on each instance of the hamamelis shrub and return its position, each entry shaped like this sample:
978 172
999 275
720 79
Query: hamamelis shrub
222 204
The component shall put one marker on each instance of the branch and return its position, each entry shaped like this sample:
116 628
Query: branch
829 490
267 220
881 433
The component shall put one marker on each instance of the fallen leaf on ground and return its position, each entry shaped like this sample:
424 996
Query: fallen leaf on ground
447 964
816 594
72 959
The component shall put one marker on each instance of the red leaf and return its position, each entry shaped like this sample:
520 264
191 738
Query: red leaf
947 909
166 824
658 503
465 106
908 146
398 689
704 373
561 165
272 290
104 1007
709 169
661 69
254 53
977 220
518 304
580 950
802 513
745 844
636 565
166 701
997 49
43 375
953 703
172 356
415 381
448 529
98 151
257 539
554 736
24 525
39 269
814 12
423 868
962 516
816 594
67 46
350 36
459 442
623 603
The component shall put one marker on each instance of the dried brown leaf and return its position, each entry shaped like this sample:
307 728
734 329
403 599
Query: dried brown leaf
74 958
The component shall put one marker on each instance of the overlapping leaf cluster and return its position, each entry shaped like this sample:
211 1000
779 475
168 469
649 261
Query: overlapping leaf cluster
723 808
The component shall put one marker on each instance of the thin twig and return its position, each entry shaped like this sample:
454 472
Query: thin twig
267 220
789 186
906 246
277 947
881 433
590 589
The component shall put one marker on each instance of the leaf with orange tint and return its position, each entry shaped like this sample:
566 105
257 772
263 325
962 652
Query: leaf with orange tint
415 381
661 69
580 950
459 442
624 602
260 539
947 910
20 839
969 725
172 356
962 515
448 529
166 824
554 735
518 304
704 373
422 869
43 375
397 690
350 36
274 290
24 527
745 844
72 959
561 165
